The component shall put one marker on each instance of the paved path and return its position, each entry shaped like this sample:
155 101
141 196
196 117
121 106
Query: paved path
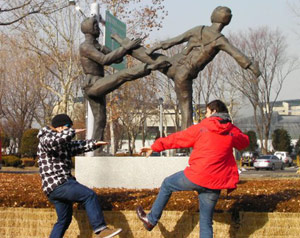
26 170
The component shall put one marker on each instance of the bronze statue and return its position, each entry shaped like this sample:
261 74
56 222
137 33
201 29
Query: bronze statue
94 57
203 44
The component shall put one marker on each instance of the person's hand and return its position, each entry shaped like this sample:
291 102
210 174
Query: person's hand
99 143
132 44
52 128
79 130
146 150
58 129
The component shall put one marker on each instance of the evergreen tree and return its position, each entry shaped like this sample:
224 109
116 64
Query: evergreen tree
281 140
29 143
253 141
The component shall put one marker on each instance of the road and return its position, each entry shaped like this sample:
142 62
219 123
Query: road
250 172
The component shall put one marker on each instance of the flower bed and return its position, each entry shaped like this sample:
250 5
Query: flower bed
268 195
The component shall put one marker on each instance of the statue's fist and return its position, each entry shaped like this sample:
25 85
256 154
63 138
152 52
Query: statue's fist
132 44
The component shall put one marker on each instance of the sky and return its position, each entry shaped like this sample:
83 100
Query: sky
186 14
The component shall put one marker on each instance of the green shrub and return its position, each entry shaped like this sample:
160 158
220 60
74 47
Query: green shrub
281 140
29 143
11 160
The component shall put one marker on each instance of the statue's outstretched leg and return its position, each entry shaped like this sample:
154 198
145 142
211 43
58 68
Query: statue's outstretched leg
111 82
140 52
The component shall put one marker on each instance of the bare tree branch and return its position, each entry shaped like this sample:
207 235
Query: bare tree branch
14 11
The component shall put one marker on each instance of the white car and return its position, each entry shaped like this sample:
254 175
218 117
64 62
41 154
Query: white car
285 157
122 152
268 162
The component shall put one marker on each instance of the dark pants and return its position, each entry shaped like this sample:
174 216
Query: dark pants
63 197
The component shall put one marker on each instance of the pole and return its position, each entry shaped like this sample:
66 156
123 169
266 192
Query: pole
94 8
161 101
161 120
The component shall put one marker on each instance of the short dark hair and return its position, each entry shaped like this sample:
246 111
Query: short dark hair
217 105
61 120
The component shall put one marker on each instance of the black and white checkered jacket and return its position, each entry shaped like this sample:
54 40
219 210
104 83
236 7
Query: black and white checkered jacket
55 151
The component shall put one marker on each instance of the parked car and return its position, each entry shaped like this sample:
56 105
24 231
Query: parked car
154 153
248 157
122 152
285 157
181 154
268 162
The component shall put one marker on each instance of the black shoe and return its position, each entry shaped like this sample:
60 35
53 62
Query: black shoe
143 217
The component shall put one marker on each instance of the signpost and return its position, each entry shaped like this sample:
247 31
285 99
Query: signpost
114 26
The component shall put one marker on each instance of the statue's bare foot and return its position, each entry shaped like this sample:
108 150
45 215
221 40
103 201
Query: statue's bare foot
149 51
160 65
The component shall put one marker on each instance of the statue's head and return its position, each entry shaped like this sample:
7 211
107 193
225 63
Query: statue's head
90 26
221 15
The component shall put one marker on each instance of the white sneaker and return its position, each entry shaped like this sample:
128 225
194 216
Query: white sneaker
108 233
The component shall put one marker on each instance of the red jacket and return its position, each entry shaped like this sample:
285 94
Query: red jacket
211 163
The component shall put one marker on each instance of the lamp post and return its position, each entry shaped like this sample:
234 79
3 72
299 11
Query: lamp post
73 3
161 101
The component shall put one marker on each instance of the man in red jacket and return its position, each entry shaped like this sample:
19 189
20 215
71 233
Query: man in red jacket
211 168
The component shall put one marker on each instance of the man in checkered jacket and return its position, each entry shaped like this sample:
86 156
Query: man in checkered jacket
55 151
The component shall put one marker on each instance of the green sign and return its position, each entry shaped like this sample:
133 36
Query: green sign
114 26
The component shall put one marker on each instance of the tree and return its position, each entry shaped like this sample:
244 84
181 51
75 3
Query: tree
253 141
139 17
29 143
19 99
54 40
14 11
3 55
5 140
211 84
136 102
281 140
268 47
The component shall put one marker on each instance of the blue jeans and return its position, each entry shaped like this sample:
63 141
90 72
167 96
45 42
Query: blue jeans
179 182
63 197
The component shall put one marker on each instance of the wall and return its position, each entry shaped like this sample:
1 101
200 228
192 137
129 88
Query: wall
37 223
126 172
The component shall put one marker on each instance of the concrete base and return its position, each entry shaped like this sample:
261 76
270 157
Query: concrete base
126 172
